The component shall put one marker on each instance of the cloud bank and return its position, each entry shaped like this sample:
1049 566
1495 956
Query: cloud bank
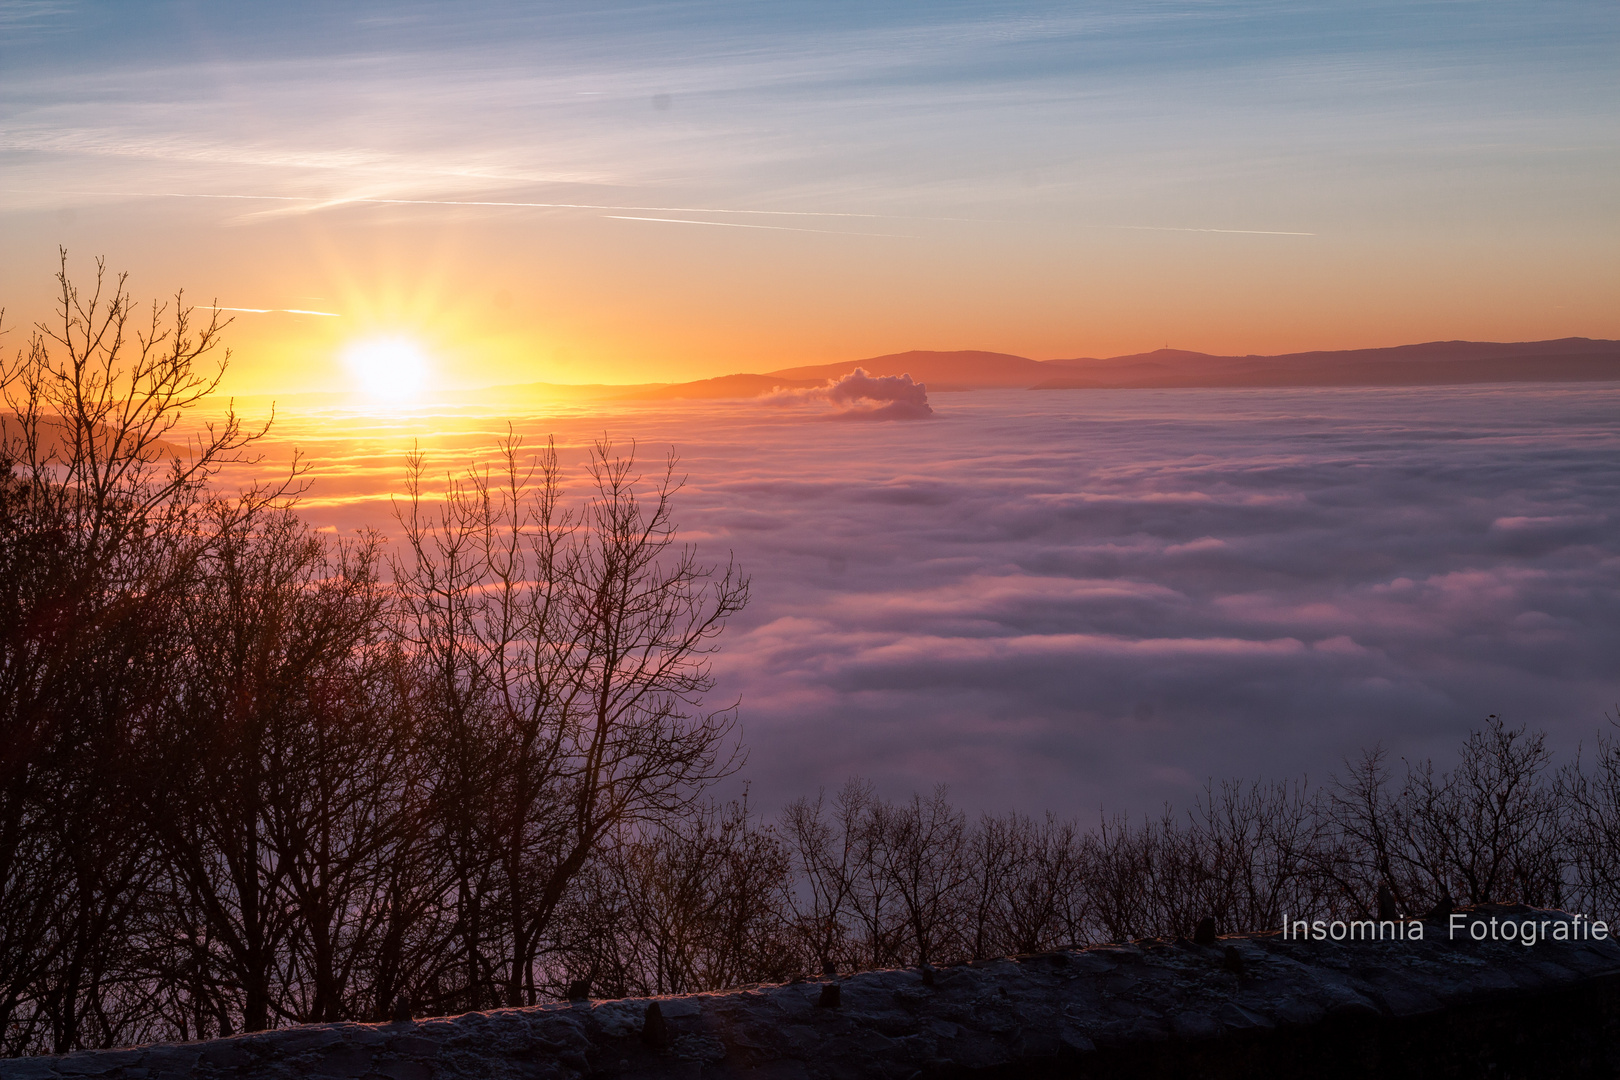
1086 600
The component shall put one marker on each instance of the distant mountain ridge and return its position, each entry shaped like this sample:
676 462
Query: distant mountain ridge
1432 363
967 369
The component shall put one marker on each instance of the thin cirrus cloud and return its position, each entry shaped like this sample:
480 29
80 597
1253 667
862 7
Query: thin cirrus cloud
302 205
1234 175
742 225
1083 600
310 204
806 105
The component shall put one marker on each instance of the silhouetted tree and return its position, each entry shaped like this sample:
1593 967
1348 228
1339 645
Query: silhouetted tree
282 753
1489 829
828 853
1028 885
564 657
1593 800
921 849
105 519
683 905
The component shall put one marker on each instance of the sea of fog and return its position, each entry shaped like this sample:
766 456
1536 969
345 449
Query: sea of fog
1070 600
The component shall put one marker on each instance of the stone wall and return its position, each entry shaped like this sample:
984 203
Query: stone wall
1248 1005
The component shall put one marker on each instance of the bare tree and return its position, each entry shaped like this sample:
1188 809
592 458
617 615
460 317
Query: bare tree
565 657
1252 853
682 905
1362 848
280 754
998 853
107 512
1592 799
827 858
920 850
879 910
1028 885
1130 875
344 813
1490 827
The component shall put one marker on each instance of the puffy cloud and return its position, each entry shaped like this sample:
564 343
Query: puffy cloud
905 400
865 397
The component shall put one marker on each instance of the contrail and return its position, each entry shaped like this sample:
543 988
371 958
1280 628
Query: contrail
740 225
593 206
461 202
647 209
1184 228
280 310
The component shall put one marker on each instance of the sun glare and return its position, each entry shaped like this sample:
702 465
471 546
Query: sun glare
387 369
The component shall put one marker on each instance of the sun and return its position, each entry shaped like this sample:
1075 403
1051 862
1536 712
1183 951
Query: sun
392 369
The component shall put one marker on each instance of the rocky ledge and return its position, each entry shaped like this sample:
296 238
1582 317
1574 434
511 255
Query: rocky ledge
1258 1004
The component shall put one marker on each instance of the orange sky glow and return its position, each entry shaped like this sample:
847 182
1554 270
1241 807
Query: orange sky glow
581 300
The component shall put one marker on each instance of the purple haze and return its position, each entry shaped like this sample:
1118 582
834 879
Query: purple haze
1068 599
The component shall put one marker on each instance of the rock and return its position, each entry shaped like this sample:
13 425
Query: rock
654 1031
1072 1042
1237 1018
1441 912
406 1070
1194 1025
343 1060
704 1048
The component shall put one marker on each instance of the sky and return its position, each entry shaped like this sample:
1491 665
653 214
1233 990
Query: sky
614 192
1098 601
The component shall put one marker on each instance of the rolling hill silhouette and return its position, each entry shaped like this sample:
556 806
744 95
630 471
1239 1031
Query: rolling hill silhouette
968 369
1434 363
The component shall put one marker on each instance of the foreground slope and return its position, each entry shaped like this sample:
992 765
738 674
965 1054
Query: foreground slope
1248 1005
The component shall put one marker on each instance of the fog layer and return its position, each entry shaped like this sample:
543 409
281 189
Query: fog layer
1085 599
